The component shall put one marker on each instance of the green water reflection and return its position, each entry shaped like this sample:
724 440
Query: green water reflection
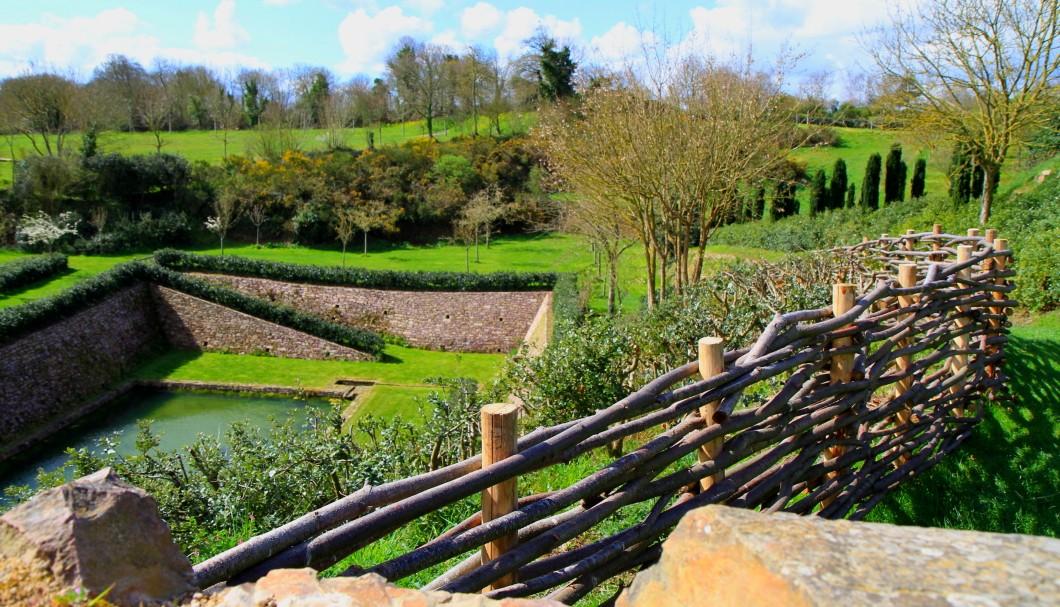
178 417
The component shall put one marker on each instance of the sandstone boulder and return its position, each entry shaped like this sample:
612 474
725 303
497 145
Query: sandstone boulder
97 532
721 556
301 588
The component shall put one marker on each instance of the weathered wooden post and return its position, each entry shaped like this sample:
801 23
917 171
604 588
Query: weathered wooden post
999 264
936 243
499 441
960 343
711 363
842 367
906 279
973 232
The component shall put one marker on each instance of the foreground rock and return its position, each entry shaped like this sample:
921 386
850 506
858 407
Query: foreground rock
98 533
722 556
301 588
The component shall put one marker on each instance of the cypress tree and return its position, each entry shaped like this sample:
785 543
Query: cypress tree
839 183
783 200
870 187
760 202
960 179
894 178
819 193
850 196
917 185
976 181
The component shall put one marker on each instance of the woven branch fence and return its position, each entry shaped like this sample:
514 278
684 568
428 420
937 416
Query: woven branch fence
827 411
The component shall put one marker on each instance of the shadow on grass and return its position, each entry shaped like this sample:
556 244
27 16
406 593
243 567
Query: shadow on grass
1006 477
16 292
165 363
390 359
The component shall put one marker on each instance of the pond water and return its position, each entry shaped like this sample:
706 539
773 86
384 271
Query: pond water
177 416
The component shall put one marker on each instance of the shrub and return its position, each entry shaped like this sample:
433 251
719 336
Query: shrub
19 320
21 272
356 277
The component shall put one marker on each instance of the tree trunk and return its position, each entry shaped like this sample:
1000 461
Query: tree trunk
222 245
344 253
366 242
476 246
991 174
257 235
612 284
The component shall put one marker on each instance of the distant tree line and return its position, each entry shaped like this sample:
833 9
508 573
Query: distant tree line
423 81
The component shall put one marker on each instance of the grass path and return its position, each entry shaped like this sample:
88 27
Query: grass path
1006 477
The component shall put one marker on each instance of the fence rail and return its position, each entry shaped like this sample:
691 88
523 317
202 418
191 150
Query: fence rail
827 411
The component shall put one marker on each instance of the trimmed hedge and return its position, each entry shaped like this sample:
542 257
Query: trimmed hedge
356 277
357 339
21 272
19 320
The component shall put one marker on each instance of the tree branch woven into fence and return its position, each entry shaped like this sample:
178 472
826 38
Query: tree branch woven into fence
827 411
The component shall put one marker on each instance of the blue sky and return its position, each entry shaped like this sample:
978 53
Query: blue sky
354 36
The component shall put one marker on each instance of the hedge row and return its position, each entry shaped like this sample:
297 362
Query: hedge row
356 277
357 339
19 320
27 270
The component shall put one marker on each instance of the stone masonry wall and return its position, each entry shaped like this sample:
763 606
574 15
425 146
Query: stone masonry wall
192 323
45 372
435 320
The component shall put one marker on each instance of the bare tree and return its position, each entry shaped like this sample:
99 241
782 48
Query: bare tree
227 207
373 214
42 106
344 228
420 73
670 154
257 216
983 72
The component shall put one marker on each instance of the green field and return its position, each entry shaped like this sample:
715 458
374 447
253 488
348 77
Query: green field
209 146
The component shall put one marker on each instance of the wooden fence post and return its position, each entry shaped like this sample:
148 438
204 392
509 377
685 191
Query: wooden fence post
499 441
906 279
842 367
711 363
1000 264
936 242
960 343
973 231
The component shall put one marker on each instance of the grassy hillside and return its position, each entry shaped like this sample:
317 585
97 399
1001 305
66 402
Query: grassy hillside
209 146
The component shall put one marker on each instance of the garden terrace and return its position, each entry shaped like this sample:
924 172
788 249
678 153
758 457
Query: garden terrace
828 410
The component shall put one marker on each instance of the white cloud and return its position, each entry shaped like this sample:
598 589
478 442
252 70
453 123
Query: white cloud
823 31
480 19
78 45
522 23
224 33
425 7
366 39
280 2
620 44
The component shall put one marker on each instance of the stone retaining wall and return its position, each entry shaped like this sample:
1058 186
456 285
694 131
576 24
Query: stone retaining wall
47 371
435 320
195 324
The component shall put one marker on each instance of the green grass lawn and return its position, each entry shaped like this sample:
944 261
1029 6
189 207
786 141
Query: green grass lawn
1006 477
81 267
400 375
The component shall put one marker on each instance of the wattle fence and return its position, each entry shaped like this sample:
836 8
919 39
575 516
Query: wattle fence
827 411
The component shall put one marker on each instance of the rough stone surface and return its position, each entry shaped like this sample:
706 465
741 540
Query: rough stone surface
97 532
46 372
301 588
437 320
192 323
722 556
